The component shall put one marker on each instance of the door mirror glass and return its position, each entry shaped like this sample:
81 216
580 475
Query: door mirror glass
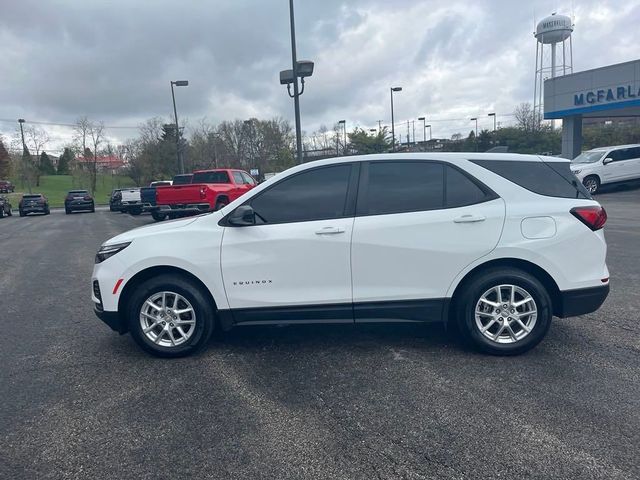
607 160
242 216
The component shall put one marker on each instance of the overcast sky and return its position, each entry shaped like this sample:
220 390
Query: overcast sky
113 60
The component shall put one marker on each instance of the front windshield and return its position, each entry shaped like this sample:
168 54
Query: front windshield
588 157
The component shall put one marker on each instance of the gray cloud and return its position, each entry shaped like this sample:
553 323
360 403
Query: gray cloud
113 60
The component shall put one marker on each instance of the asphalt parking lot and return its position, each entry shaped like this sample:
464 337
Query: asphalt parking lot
400 401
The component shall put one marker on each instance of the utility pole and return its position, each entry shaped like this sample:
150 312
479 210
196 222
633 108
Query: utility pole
379 126
413 123
408 134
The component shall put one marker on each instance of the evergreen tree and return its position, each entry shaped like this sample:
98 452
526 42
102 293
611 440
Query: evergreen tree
65 161
46 167
5 162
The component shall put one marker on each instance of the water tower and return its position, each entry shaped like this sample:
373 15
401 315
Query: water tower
551 31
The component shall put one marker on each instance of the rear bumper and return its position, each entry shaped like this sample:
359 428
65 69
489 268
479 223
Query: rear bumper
112 319
581 301
79 206
34 209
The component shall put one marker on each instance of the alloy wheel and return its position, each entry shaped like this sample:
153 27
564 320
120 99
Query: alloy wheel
167 319
506 314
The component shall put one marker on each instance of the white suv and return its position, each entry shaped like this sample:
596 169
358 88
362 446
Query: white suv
607 165
495 243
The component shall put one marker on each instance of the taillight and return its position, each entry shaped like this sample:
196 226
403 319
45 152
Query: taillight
593 217
87 197
203 192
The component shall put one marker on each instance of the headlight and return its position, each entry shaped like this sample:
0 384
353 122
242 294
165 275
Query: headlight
107 251
576 172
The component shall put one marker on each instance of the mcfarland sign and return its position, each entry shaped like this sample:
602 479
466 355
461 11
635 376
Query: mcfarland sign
616 94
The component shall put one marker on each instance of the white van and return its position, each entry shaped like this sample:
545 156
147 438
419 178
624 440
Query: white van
605 165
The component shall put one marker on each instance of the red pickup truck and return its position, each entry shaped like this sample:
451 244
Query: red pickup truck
209 190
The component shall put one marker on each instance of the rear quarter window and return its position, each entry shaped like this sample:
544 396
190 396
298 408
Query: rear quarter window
551 179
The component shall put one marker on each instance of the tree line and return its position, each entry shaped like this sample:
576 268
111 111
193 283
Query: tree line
262 145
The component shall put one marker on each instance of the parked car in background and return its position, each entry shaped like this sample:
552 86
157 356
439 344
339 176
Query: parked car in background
33 203
209 190
78 200
496 244
6 186
607 165
115 201
130 201
5 207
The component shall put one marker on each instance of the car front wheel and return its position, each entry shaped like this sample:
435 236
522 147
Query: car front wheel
505 312
170 316
592 184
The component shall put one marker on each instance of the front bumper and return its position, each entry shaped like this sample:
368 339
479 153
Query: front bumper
581 301
113 319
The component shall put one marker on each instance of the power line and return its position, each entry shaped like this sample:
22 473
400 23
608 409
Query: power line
57 124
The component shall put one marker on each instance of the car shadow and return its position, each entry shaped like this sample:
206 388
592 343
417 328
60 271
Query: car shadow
367 337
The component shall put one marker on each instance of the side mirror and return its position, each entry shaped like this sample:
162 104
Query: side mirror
242 216
607 160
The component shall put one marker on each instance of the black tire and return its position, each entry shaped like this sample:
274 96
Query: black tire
2 212
204 314
10 213
221 204
592 184
135 211
47 211
483 282
158 217
21 213
67 211
93 208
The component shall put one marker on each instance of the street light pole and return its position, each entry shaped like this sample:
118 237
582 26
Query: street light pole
494 120
476 137
424 128
344 127
393 129
178 83
24 156
296 95
429 127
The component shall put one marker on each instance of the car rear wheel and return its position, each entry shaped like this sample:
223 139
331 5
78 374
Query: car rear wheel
2 212
505 312
158 217
135 211
21 213
170 316
592 184
220 204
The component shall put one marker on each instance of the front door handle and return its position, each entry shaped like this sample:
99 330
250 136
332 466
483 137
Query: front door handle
469 219
329 231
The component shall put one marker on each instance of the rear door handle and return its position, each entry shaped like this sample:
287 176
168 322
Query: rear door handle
469 219
329 231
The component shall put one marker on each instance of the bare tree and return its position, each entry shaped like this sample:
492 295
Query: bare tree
96 132
526 118
36 139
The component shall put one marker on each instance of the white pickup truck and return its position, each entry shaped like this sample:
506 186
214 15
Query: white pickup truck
131 201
